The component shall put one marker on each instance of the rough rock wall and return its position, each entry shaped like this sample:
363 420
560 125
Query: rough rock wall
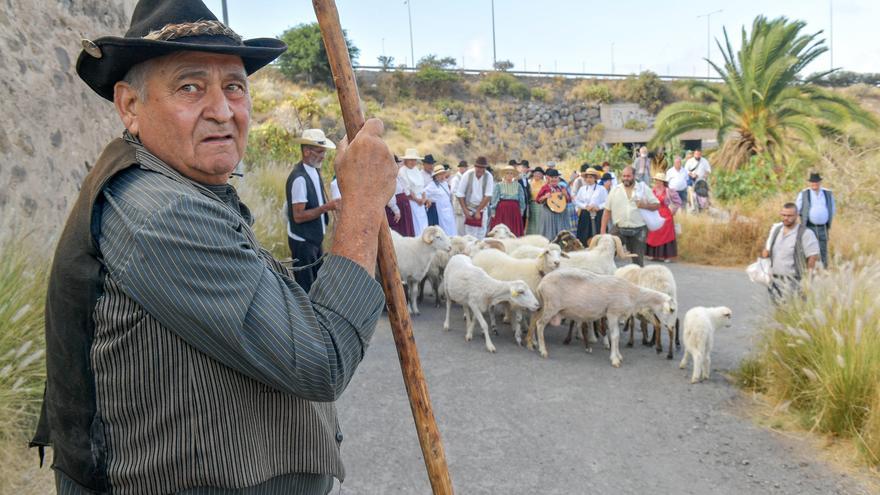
53 126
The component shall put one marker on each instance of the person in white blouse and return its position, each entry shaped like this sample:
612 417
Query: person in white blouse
414 185
437 191
453 181
677 177
474 191
589 201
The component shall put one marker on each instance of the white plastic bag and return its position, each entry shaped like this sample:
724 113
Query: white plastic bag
652 219
759 272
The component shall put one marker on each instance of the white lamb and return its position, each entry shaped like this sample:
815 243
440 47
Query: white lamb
501 266
700 324
476 291
527 240
600 256
582 296
501 231
414 257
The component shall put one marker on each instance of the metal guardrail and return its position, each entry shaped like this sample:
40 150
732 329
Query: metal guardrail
529 73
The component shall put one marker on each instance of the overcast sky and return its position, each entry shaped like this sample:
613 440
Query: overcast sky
569 36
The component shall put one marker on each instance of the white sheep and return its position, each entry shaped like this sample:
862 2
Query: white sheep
582 296
501 266
476 291
501 231
599 258
414 258
459 245
527 240
700 324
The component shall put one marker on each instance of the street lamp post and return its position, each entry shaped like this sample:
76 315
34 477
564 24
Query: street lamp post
225 13
412 52
831 32
709 38
494 57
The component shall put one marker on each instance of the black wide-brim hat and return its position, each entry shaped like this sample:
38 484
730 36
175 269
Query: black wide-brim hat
163 27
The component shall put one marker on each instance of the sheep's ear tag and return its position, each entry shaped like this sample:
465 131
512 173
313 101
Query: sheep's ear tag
513 292
92 49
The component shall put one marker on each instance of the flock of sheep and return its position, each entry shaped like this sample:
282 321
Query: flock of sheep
531 279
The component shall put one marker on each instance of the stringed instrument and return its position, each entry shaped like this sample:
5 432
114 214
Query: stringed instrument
557 202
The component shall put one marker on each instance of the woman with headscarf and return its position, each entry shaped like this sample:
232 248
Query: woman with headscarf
508 202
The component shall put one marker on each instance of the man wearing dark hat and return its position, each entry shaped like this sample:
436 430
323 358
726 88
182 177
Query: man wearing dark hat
523 168
816 208
181 357
428 163
473 193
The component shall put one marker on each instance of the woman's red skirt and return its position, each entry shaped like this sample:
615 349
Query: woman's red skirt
405 226
508 213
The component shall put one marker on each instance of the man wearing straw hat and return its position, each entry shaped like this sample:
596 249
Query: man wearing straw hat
181 357
474 191
308 207
414 183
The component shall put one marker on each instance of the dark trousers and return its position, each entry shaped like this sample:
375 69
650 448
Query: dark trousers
683 194
433 216
633 240
304 253
821 232
780 286
588 227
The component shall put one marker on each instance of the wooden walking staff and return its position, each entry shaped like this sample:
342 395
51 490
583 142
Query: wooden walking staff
401 325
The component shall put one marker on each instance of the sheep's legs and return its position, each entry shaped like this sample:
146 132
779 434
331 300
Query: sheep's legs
677 334
479 316
698 367
448 310
658 336
643 323
614 330
469 328
684 360
631 326
530 334
671 353
707 366
587 327
517 326
492 323
436 286
542 348
413 297
570 333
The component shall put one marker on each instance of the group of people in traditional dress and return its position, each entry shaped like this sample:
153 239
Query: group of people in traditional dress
473 200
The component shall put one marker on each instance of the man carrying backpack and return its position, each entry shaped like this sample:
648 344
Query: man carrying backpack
793 250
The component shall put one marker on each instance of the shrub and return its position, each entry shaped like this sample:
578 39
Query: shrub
635 125
541 94
433 82
821 353
270 142
618 156
503 84
587 91
648 91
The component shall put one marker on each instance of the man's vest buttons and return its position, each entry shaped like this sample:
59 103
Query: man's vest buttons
339 436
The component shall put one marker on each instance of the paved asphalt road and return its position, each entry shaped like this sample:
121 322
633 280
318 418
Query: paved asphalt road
514 423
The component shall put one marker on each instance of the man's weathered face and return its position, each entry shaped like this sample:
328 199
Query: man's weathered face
195 114
523 169
428 167
677 163
408 163
789 216
553 180
815 186
643 152
698 154
627 177
479 171
313 155
590 179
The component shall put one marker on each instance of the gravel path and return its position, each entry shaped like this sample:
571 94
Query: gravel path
513 423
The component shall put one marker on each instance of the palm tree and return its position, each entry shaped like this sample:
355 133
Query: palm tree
763 107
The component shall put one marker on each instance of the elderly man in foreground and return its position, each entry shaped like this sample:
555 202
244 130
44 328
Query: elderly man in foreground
183 358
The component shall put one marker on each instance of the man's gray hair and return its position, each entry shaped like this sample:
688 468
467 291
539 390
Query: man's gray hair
136 77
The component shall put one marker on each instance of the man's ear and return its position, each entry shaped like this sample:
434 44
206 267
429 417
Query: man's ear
127 103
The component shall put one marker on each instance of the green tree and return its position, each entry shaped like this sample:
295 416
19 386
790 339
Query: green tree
306 58
763 107
434 62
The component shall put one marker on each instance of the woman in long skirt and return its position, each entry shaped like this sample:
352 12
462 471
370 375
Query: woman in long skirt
508 202
553 223
661 243
399 213
589 201
438 193
414 183
536 182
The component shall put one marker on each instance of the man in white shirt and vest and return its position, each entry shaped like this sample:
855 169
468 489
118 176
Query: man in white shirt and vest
474 191
815 206
308 207
793 251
